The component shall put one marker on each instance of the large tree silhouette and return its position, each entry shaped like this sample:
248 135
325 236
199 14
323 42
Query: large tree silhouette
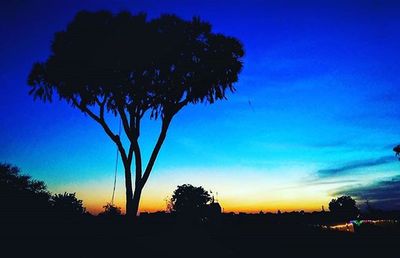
129 66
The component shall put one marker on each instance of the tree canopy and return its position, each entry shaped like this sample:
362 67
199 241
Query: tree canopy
189 200
345 207
129 65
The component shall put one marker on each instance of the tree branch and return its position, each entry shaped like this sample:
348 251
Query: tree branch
138 162
181 105
134 124
125 123
164 128
100 119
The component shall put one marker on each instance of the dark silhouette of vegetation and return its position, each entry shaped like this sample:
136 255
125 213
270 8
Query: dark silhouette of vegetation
129 66
225 235
396 149
20 194
344 207
110 210
188 199
67 204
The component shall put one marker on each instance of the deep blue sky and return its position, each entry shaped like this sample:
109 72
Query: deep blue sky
315 113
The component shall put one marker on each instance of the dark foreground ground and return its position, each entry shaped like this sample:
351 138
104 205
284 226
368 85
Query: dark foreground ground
99 237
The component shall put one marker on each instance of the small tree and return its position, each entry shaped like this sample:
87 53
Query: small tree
344 207
67 204
129 66
189 200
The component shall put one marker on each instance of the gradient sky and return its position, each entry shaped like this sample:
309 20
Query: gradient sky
315 114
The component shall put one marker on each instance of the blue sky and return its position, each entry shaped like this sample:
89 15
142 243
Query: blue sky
315 113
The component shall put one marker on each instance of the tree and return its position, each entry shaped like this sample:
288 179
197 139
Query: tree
130 66
20 194
110 210
344 207
67 204
189 200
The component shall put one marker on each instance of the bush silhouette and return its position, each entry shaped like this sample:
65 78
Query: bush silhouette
67 204
110 210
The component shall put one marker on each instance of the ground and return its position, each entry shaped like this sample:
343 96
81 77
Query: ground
94 237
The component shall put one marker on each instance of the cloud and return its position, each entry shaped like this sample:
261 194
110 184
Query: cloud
383 194
348 144
318 182
355 165
332 144
333 182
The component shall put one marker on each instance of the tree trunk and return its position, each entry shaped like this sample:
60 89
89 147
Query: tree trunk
130 210
136 199
133 200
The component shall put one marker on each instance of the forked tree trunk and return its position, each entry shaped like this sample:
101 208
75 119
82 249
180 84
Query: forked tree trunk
133 197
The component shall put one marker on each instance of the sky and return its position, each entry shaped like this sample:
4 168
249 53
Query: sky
315 114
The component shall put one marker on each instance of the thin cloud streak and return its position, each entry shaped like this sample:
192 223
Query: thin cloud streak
356 165
318 182
383 194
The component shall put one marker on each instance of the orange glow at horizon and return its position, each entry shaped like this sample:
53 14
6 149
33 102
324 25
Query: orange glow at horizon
95 207
157 202
260 193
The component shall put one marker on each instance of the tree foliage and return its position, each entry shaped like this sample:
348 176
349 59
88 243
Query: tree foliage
110 210
189 200
136 64
345 207
67 204
20 194
128 65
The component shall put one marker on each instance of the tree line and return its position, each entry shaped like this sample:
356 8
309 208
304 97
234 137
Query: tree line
22 195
